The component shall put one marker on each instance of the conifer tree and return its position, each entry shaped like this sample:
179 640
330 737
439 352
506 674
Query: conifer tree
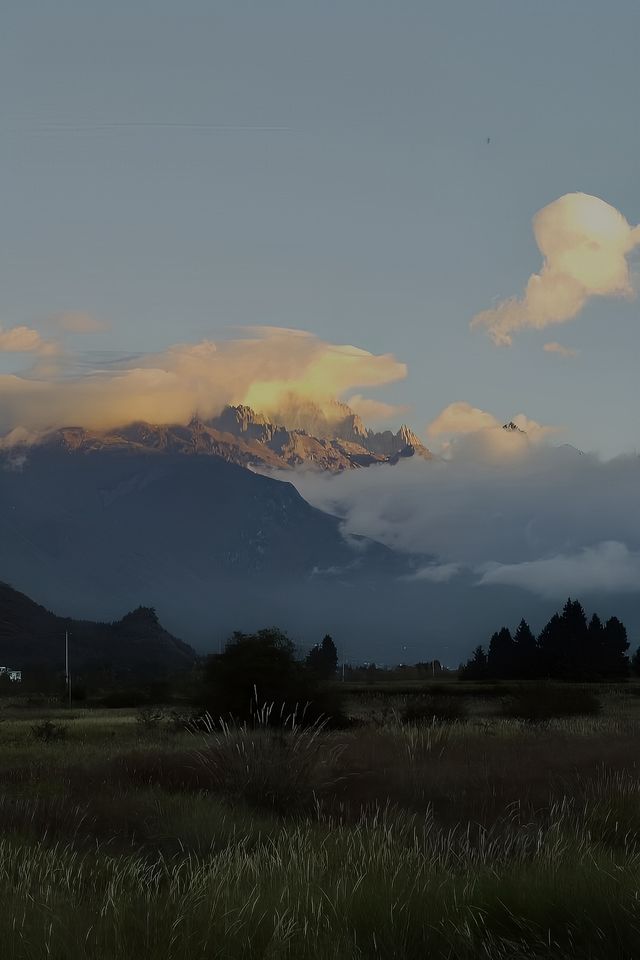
614 647
501 656
526 652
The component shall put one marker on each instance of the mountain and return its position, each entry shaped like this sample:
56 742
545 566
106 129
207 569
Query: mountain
241 436
333 442
212 546
137 645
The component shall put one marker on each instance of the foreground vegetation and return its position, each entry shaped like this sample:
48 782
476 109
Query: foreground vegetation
129 836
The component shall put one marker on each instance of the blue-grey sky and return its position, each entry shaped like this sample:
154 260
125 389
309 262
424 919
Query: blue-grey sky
181 169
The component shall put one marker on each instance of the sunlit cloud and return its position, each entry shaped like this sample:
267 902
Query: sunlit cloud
585 244
23 340
271 369
374 411
461 419
560 349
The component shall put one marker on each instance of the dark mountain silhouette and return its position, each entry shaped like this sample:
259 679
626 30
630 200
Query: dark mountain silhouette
208 544
136 645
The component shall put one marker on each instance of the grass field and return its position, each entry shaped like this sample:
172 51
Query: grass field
487 837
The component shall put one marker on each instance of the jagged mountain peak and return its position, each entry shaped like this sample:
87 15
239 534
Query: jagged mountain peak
249 438
513 427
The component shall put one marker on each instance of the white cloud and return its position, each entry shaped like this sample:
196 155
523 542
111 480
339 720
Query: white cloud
436 572
608 567
527 518
585 243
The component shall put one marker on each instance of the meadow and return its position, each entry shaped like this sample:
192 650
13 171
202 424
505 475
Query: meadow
128 835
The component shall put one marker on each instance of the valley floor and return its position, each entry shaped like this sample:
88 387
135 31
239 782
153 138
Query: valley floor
130 837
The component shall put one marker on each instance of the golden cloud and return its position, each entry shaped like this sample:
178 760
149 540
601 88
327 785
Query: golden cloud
560 349
22 340
461 419
270 369
585 243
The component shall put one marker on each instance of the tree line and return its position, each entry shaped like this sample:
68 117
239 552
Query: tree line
569 647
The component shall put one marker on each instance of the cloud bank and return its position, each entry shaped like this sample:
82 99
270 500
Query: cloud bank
585 244
549 519
272 369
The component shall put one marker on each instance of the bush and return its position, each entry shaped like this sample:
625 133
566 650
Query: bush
432 709
545 702
48 732
262 668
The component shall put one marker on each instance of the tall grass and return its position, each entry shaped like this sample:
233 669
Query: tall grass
390 886
488 838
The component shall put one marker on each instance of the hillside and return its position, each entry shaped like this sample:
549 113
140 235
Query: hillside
213 547
136 645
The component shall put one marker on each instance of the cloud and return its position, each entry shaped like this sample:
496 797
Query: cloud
506 517
272 369
461 419
23 340
560 349
436 572
585 243
608 567
374 411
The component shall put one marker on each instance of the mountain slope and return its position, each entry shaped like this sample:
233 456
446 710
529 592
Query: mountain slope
31 636
202 540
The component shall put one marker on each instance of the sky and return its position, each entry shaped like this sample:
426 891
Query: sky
366 172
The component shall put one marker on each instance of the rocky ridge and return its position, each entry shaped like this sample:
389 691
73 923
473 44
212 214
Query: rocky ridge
248 438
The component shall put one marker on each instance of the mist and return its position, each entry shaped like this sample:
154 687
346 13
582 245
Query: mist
548 519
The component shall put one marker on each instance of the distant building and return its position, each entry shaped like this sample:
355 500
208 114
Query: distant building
15 675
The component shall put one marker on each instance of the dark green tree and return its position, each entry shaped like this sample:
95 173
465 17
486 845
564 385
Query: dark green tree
527 659
501 658
635 663
476 667
614 647
254 669
593 658
322 659
563 642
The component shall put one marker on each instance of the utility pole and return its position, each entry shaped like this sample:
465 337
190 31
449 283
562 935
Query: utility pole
66 663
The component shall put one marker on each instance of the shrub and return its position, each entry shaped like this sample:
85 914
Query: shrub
432 709
545 702
48 732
